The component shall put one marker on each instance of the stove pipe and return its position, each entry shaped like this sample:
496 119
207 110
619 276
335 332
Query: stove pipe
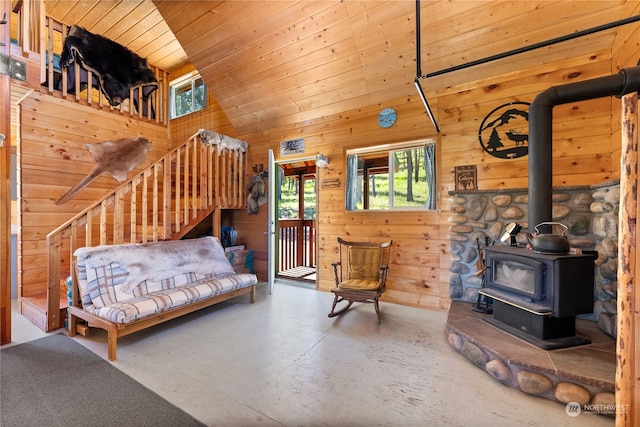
541 133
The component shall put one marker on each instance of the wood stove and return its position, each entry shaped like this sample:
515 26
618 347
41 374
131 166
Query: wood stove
537 296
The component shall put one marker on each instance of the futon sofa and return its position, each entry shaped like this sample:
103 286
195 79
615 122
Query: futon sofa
128 287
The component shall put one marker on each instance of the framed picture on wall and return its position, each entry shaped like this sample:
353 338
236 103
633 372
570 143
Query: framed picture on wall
293 146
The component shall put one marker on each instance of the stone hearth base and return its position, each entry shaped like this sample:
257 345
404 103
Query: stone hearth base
584 374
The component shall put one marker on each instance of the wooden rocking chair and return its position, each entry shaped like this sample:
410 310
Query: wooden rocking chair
360 274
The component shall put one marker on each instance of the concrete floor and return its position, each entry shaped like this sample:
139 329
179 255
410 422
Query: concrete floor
283 362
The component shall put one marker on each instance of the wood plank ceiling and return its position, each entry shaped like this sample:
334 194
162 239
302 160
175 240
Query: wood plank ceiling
136 24
275 63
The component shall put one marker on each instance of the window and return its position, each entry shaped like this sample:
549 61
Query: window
398 176
188 95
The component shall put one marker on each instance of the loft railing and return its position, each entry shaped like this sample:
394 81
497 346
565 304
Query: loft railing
39 38
162 202
85 87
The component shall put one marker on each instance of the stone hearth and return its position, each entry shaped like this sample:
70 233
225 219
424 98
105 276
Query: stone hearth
590 212
583 374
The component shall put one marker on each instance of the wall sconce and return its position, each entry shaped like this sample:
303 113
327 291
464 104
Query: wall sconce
321 160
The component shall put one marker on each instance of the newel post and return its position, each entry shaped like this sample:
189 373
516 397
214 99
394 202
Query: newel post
627 362
5 185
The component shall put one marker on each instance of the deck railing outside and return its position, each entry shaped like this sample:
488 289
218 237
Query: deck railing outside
296 244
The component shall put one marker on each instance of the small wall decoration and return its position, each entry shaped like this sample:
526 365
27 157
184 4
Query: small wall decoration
466 178
223 142
504 133
292 146
257 190
330 183
387 118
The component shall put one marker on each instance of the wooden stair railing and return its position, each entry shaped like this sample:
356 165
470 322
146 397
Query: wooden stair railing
162 202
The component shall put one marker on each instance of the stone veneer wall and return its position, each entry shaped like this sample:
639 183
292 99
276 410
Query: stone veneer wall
590 213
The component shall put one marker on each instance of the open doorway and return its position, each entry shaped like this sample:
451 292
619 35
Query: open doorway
295 225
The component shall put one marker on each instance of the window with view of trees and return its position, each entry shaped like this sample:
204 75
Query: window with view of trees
188 96
401 177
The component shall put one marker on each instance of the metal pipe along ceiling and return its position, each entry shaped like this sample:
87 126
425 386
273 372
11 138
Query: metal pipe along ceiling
419 71
502 55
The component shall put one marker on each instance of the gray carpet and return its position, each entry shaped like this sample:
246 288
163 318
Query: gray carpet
54 381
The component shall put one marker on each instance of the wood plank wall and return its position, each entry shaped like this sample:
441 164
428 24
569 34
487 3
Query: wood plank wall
585 151
419 273
52 159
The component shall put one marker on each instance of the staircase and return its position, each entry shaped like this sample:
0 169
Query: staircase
162 202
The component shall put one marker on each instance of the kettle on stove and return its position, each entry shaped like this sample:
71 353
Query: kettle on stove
549 243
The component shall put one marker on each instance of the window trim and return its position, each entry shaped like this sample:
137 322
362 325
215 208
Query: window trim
182 81
391 147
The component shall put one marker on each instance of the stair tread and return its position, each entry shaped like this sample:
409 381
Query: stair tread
39 301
